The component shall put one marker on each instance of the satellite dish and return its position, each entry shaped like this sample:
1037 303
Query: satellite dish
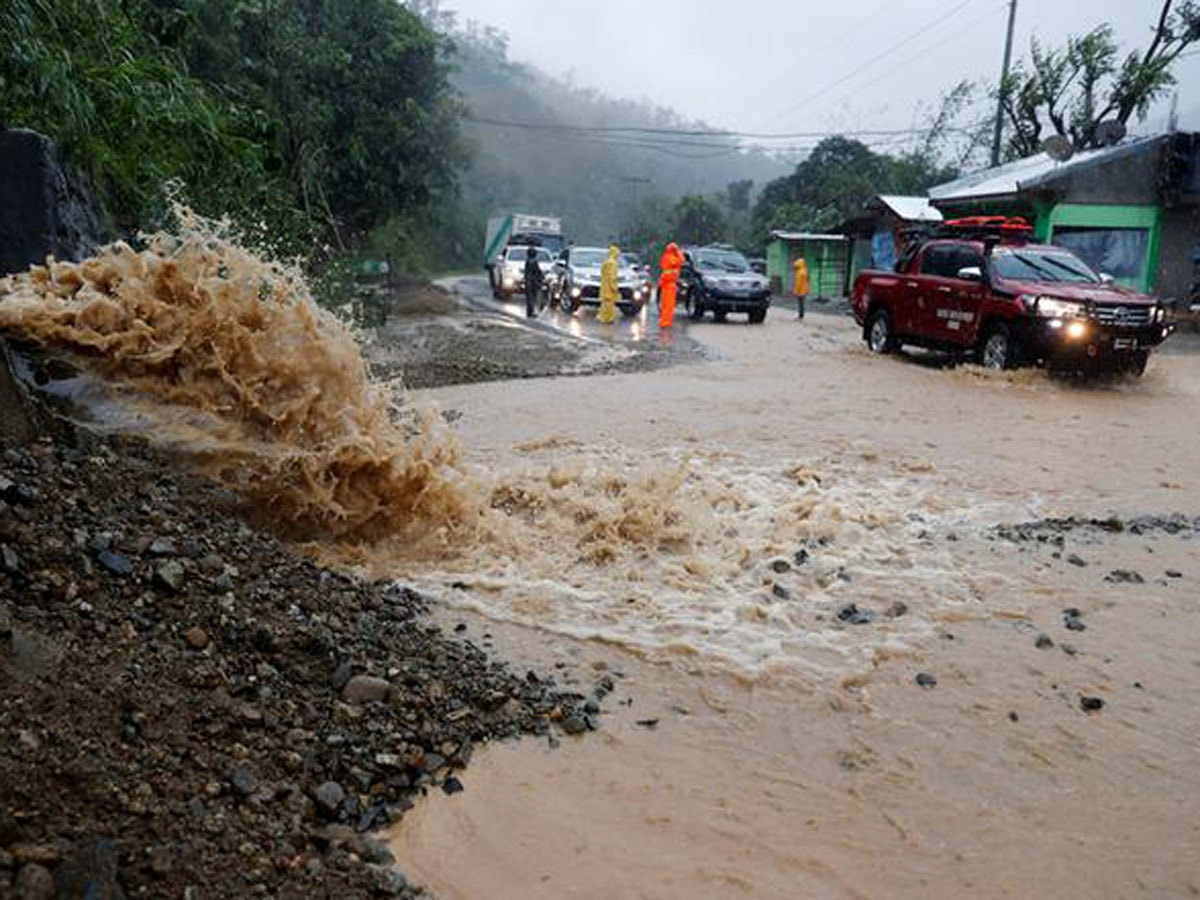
1058 147
1109 133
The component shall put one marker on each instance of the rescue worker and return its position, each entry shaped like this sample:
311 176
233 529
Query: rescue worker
533 282
668 281
610 289
800 270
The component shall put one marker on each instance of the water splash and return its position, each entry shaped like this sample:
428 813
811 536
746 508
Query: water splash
224 356
228 354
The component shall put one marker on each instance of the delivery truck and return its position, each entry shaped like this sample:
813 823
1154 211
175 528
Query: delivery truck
518 229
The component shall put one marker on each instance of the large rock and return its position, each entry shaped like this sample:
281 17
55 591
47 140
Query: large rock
42 211
17 425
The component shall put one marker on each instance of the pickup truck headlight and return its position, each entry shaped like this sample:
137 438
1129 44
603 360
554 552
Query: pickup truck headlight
1053 308
1159 314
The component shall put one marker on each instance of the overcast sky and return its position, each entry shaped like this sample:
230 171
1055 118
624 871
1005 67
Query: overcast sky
801 65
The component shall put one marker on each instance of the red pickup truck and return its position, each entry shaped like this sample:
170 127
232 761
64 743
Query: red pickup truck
978 287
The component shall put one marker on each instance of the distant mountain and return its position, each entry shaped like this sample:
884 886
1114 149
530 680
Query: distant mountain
558 152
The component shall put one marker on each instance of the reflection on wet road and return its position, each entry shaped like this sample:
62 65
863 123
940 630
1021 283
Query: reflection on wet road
581 324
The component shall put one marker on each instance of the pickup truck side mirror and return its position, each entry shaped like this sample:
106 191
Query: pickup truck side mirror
1105 278
970 273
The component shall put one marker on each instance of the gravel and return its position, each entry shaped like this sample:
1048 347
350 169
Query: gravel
193 706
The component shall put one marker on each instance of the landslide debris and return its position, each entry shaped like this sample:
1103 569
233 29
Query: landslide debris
187 708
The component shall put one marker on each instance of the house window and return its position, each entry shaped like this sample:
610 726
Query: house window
1119 252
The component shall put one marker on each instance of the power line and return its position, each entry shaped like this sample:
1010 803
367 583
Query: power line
825 47
908 60
929 26
634 131
671 148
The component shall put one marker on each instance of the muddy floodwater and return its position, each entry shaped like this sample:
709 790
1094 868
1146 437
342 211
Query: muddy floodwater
877 629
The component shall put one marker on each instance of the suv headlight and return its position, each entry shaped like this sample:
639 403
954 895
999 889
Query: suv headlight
1053 308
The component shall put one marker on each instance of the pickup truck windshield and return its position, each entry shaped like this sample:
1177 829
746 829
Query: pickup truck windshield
1040 265
721 261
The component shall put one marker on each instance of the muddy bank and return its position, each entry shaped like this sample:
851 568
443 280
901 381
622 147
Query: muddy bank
188 706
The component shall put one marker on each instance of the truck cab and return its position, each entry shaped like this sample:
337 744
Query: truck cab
980 287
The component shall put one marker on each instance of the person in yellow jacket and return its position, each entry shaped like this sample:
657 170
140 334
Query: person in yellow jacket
800 268
610 291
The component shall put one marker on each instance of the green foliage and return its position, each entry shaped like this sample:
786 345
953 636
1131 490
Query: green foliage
737 195
1072 89
834 182
122 108
699 220
353 97
312 124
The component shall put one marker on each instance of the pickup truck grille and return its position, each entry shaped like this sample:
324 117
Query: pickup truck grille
1121 316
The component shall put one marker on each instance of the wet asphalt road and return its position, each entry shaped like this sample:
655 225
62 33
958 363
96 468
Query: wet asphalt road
684 335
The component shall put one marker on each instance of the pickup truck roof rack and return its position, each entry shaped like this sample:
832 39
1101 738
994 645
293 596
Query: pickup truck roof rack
990 230
1007 229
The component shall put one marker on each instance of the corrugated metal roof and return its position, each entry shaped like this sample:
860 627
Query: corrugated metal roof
1030 172
806 236
911 209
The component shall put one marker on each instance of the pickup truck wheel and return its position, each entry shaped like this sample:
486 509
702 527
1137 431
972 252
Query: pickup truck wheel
720 315
757 316
1136 364
880 338
998 350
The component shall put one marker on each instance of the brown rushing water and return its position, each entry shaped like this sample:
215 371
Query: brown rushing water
795 756
634 520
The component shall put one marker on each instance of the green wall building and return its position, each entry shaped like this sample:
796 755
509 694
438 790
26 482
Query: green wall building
1131 210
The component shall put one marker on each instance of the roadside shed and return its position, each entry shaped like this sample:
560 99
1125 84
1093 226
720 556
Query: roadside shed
827 257
1131 210
875 233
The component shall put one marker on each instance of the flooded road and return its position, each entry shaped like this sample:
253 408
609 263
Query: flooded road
875 627
771 548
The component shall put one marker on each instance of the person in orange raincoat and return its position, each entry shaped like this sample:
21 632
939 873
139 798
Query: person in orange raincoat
668 280
801 286
610 289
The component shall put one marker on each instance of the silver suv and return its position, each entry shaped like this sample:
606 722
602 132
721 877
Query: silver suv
577 281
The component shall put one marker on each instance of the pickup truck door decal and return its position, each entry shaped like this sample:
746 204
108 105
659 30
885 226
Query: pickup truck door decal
952 303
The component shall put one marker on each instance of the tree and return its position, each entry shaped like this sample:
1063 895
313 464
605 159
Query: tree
353 96
737 195
698 220
305 122
123 109
1072 90
834 182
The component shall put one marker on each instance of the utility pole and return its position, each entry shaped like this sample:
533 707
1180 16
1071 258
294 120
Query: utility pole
1012 18
634 181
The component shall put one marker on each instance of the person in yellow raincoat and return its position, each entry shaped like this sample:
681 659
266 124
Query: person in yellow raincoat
610 291
801 284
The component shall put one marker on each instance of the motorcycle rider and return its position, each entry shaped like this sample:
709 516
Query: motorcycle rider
533 281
